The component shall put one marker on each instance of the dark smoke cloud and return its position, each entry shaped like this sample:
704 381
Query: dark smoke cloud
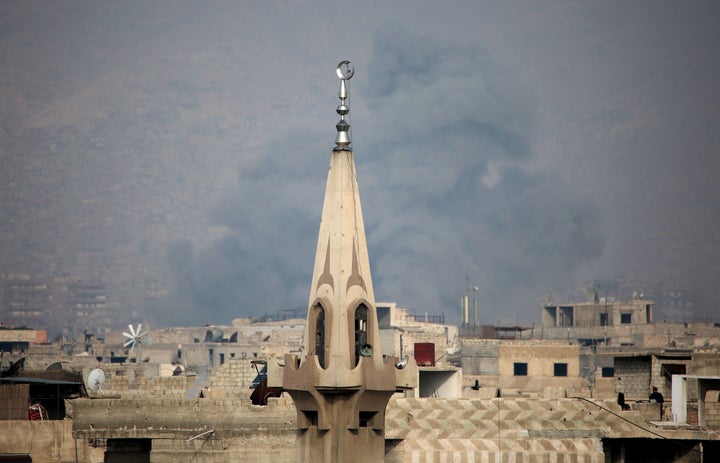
529 147
445 191
263 264
452 195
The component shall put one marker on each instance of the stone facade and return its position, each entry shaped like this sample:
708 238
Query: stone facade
44 441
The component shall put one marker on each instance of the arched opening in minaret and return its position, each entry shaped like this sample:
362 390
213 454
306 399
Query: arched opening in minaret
361 340
317 333
320 336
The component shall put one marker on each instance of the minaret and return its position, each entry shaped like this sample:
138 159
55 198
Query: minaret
341 383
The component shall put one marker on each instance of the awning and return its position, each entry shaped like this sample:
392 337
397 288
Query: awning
26 380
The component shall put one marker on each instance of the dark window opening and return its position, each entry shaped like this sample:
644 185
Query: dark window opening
520 369
320 336
15 458
366 418
603 319
123 450
608 372
222 359
669 369
625 318
560 369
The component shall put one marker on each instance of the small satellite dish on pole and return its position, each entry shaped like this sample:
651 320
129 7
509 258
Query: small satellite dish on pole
95 380
135 339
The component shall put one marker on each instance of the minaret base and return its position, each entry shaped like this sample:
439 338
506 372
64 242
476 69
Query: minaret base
351 435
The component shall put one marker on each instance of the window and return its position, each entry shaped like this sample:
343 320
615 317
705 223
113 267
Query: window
520 369
625 318
222 359
560 369
608 372
603 319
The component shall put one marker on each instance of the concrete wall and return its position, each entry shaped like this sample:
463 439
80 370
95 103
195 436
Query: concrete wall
540 358
492 364
44 441
479 357
712 414
705 363
416 430
242 432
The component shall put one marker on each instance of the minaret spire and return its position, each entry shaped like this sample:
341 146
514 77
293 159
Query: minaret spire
344 71
341 383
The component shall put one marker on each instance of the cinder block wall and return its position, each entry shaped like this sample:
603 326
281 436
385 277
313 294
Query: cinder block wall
232 379
632 377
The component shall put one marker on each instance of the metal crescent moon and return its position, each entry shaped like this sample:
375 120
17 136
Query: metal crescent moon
347 73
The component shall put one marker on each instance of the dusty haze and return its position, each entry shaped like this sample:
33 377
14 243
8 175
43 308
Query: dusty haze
529 147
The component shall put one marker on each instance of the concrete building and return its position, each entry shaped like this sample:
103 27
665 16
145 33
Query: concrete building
24 301
64 305
521 366
597 313
18 341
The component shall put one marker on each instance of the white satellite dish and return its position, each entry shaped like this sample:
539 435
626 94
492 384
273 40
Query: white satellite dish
135 338
95 380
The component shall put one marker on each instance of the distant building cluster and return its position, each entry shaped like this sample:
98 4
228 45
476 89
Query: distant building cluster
65 305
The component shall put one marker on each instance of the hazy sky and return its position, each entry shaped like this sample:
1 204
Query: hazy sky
527 146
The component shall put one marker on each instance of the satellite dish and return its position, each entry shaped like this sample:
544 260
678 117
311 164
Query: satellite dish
95 380
15 368
54 366
403 363
135 338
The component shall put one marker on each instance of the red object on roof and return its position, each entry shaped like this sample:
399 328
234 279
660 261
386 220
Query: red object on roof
425 354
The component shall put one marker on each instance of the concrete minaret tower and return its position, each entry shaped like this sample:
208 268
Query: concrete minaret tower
342 383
